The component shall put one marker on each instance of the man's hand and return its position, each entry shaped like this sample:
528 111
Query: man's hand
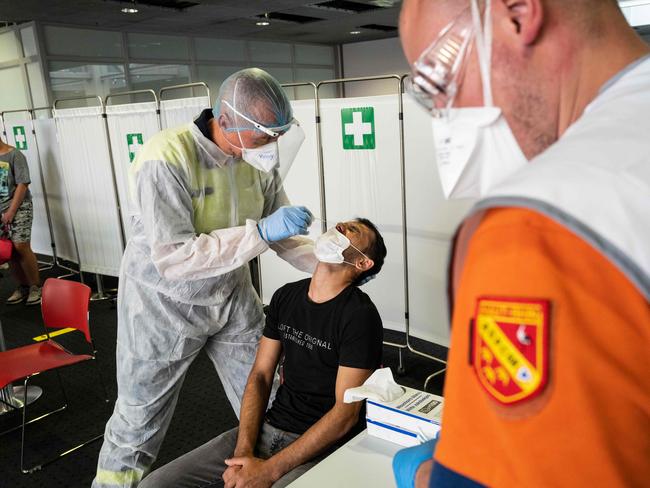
230 476
8 217
252 473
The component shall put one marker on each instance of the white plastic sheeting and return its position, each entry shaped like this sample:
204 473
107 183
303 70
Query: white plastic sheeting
431 222
48 147
181 110
129 126
302 187
19 134
89 183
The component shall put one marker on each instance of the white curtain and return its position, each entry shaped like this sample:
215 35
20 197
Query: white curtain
302 188
19 134
182 110
89 183
129 126
48 147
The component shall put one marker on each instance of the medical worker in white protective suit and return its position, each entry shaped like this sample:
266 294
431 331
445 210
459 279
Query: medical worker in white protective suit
206 199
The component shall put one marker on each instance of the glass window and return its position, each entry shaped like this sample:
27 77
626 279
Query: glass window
29 41
157 76
310 54
13 95
283 75
220 50
9 47
315 75
158 46
82 42
70 79
270 52
214 76
37 84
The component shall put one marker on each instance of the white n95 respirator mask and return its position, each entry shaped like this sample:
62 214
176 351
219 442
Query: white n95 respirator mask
264 158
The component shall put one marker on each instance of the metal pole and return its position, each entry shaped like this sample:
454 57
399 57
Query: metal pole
184 85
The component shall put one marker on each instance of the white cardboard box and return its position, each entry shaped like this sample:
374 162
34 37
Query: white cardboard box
413 417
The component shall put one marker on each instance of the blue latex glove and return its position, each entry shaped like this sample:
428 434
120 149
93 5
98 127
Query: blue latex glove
407 461
285 222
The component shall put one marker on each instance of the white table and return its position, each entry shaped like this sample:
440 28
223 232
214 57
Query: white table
363 461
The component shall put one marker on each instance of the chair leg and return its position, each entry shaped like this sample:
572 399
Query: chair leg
22 435
37 467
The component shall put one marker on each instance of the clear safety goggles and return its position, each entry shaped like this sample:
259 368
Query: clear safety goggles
271 131
437 73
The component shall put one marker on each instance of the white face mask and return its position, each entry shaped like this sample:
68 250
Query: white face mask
329 247
475 148
264 158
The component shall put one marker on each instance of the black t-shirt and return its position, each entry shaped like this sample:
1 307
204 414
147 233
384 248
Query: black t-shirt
317 338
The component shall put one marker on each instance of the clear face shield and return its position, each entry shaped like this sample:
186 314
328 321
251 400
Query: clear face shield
279 153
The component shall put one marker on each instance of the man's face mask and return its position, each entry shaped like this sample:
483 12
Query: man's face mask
329 247
475 148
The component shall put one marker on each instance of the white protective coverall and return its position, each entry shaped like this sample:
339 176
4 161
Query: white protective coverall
185 285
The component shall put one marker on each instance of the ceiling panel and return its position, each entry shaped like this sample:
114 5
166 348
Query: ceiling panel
215 18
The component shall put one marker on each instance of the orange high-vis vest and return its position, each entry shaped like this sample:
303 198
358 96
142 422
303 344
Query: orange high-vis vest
548 381
588 424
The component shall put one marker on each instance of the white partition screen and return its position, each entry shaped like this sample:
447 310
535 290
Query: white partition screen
89 183
431 221
48 148
19 134
362 179
302 187
129 126
182 110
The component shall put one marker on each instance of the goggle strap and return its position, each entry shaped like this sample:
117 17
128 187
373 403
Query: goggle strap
257 125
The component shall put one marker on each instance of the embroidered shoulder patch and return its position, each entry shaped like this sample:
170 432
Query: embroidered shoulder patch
510 347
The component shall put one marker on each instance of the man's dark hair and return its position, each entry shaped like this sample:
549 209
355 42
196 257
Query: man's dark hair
376 251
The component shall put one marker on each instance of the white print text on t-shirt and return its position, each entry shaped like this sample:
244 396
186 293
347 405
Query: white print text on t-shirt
303 340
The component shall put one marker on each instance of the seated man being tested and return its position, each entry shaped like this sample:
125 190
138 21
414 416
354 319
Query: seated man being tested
330 335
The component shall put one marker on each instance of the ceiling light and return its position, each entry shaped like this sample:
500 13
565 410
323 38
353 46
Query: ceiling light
129 10
354 33
263 23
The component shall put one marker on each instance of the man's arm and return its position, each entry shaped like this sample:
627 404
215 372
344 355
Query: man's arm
16 201
330 428
256 395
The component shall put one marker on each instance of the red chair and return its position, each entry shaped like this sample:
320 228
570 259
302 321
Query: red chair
64 304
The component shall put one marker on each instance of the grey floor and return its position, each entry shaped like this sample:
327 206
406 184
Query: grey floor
202 412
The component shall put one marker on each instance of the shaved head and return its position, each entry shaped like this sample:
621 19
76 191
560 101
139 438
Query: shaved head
549 58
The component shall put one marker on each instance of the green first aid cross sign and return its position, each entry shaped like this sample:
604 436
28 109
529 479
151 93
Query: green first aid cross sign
358 126
133 141
19 137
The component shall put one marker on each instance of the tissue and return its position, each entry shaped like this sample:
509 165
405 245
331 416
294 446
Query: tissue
379 387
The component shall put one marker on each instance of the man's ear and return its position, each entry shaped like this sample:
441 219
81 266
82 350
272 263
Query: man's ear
366 264
524 19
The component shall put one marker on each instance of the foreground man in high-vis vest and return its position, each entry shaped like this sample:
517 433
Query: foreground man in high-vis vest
206 198
541 110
